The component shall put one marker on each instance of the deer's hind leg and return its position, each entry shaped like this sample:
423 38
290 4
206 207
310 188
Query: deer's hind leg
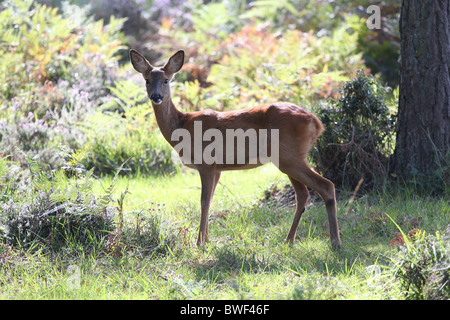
303 174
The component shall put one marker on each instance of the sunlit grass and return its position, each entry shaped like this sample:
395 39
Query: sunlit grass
235 188
246 257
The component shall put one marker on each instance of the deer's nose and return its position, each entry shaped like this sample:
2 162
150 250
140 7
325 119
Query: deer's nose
156 98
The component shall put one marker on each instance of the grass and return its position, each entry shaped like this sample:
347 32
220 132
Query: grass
246 257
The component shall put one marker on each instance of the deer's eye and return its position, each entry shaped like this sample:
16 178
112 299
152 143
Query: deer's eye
166 81
147 82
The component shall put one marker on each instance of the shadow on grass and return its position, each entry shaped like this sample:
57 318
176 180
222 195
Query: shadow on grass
310 256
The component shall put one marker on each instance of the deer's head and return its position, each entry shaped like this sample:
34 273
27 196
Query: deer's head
157 79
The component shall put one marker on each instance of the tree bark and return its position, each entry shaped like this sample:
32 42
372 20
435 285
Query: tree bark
423 131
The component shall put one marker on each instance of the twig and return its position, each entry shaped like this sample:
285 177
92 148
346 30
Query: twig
352 198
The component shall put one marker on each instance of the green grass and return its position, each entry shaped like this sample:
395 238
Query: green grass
246 257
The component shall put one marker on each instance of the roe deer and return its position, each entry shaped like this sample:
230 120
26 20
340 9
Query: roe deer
297 131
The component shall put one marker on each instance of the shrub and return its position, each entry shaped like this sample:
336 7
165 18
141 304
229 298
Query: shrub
130 9
82 223
256 66
423 268
142 150
53 211
55 68
57 211
40 45
10 177
358 137
305 15
380 49
27 134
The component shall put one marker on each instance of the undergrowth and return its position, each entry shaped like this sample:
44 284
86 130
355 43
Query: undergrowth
422 264
57 210
358 139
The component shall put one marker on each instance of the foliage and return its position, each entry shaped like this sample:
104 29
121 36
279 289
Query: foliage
380 48
257 67
358 136
131 10
27 134
322 15
39 45
55 212
423 268
55 69
54 225
79 78
129 134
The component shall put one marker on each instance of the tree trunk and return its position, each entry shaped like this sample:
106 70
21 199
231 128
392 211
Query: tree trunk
423 132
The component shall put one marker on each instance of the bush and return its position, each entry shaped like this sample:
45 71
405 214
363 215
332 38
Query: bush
55 68
40 221
358 137
40 45
380 49
53 211
423 268
27 134
256 66
56 210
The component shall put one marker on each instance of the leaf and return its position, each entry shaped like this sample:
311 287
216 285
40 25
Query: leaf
405 238
107 197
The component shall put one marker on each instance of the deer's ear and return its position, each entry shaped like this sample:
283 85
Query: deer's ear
140 64
175 62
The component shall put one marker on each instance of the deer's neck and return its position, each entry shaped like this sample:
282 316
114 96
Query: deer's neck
169 118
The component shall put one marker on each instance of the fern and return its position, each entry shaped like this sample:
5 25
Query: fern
129 98
77 156
269 9
106 198
79 186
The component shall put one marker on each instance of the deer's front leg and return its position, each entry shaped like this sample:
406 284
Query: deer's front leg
208 179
